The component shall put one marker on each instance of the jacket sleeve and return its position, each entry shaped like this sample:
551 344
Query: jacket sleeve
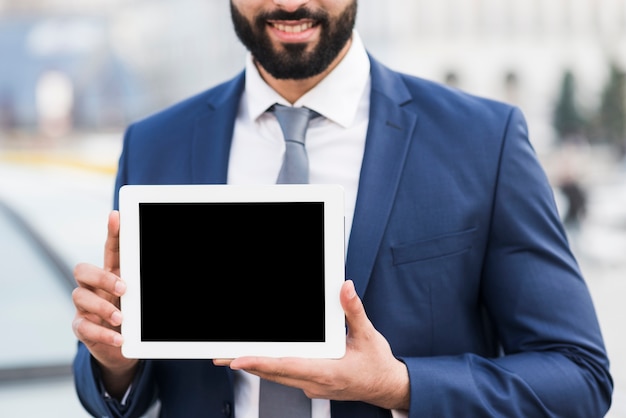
553 361
93 397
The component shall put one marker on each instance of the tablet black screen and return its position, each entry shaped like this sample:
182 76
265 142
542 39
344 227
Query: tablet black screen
232 271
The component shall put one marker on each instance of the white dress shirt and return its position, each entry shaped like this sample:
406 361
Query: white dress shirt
334 143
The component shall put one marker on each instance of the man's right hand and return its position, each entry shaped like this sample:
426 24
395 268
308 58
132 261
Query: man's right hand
98 316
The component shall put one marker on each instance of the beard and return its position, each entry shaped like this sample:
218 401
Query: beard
293 62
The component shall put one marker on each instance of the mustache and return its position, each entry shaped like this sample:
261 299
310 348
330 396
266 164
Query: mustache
302 13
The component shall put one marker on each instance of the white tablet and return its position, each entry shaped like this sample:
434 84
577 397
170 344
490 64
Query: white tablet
223 271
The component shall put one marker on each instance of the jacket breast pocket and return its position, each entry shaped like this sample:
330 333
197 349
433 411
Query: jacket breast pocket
439 247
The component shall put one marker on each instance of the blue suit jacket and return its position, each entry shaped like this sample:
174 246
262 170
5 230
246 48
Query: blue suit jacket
457 251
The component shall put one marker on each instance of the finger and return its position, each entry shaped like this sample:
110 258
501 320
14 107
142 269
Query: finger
94 278
90 333
272 365
112 244
286 370
222 361
313 379
96 308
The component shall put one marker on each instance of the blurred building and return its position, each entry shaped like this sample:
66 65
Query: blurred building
514 50
151 53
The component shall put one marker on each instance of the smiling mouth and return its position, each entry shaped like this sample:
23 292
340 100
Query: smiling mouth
295 27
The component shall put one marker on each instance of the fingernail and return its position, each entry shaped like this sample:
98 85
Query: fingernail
120 287
75 324
118 340
351 290
116 318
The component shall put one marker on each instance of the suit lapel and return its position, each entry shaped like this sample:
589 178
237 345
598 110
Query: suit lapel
213 133
389 134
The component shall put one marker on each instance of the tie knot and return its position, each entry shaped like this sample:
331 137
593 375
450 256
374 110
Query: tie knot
293 121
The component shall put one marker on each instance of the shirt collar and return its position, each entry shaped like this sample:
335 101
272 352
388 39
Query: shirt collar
345 85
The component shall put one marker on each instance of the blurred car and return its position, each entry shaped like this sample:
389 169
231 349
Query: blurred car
36 312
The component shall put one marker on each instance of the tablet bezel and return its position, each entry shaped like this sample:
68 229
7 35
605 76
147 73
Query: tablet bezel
131 196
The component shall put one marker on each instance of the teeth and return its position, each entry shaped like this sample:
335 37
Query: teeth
293 28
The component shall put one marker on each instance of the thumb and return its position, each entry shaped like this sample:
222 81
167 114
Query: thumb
112 244
356 318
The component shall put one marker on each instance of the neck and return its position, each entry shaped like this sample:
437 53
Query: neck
292 90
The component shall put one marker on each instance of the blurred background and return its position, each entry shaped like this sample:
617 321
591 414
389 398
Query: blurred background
73 74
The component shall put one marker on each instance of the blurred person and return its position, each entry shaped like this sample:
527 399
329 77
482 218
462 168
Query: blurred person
462 297
570 164
576 198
